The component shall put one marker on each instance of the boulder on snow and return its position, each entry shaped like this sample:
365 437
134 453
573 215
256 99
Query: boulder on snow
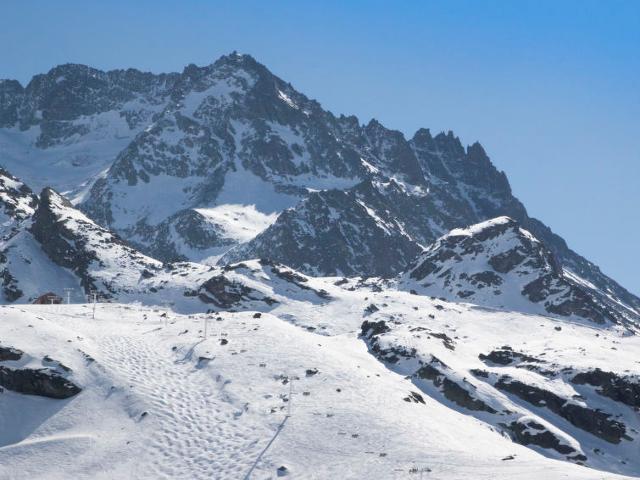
10 353
43 382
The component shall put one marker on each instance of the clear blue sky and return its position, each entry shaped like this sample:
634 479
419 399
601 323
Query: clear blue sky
550 88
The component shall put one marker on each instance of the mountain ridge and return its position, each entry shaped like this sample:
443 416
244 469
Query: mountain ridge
209 132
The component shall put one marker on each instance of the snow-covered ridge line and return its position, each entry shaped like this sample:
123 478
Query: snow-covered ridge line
172 143
499 264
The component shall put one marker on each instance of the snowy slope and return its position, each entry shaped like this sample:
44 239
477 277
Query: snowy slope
161 401
437 337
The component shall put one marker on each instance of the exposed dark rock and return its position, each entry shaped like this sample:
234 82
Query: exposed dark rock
451 389
371 332
43 382
486 278
619 388
506 261
225 293
370 329
10 353
414 397
371 309
298 280
506 356
593 421
447 341
532 433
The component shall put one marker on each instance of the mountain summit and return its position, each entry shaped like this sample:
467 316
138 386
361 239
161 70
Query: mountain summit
228 161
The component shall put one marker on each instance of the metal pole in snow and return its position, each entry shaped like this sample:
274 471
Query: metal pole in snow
290 396
95 300
206 321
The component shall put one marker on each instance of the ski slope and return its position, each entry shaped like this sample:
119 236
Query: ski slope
160 400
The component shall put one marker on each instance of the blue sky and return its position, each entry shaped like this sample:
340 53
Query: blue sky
550 88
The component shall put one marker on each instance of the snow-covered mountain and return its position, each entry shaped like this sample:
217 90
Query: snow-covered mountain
499 264
67 126
200 164
246 240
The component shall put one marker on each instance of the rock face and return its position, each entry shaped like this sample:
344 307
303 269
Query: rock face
10 353
499 264
43 382
530 432
335 231
625 389
100 259
225 293
593 421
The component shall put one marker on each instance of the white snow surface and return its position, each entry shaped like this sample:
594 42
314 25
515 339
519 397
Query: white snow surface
73 165
216 410
238 222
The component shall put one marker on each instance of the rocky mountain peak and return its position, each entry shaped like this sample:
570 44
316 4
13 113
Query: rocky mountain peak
423 139
499 264
190 165
16 199
448 144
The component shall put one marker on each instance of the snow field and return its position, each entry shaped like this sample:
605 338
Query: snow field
219 411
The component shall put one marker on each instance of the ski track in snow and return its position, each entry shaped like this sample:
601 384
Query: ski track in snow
196 437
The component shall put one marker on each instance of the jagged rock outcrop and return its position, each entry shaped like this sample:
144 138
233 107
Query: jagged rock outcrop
621 388
49 382
229 294
43 382
101 260
334 231
499 264
591 420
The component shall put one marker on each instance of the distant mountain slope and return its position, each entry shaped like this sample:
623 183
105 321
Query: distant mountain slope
200 165
68 125
498 264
